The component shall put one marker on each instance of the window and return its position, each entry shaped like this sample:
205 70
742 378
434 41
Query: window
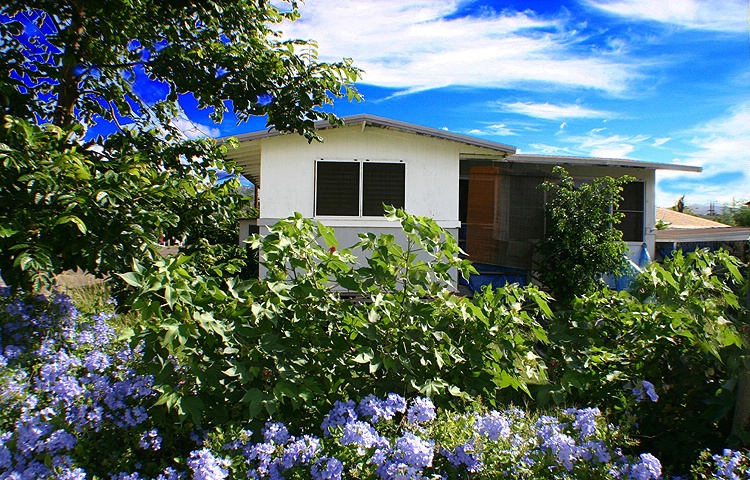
632 205
338 186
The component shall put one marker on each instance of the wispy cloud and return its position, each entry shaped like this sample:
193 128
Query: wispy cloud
549 111
498 129
544 149
414 45
717 15
597 143
723 150
194 130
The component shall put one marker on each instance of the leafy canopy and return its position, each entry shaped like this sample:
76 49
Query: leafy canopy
581 243
71 199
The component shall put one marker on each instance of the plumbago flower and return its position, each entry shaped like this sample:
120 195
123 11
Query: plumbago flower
646 389
67 388
393 438
728 465
73 406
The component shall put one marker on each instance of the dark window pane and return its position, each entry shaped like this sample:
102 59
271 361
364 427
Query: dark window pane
632 204
337 191
632 227
382 183
632 197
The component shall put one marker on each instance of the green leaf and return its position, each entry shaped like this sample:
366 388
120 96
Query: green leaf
72 219
364 356
328 235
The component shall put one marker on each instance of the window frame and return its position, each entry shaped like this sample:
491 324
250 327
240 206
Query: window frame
360 185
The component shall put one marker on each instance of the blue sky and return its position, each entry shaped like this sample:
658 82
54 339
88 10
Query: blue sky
656 80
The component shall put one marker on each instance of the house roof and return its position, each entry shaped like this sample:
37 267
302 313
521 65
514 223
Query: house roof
683 220
382 122
248 155
689 228
597 162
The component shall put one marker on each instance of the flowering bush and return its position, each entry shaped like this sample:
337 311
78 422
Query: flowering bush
73 405
71 401
730 465
392 439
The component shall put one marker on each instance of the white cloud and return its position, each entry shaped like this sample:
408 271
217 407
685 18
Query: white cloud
544 149
548 111
194 130
499 129
597 144
717 15
660 141
414 45
723 150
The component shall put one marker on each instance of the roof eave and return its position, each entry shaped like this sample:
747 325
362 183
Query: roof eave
598 162
372 120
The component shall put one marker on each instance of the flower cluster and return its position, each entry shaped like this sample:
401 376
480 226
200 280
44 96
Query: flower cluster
393 438
646 389
63 380
729 465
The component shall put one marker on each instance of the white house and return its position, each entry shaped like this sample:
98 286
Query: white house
481 191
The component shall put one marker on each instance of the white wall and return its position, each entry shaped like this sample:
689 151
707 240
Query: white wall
288 171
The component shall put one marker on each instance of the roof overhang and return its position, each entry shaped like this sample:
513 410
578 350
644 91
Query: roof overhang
366 120
597 162
248 155
709 234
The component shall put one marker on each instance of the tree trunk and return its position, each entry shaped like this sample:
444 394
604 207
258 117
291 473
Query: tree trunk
67 89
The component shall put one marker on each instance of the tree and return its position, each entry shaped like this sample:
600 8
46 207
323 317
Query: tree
581 243
742 216
71 199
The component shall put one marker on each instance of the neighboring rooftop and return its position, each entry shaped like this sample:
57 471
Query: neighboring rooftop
683 220
689 228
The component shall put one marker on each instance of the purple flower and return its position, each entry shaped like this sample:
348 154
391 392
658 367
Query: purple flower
327 468
492 425
421 410
206 466
340 414
300 451
585 421
563 447
464 455
376 409
276 432
12 351
414 451
150 440
97 361
647 388
362 434
260 456
648 467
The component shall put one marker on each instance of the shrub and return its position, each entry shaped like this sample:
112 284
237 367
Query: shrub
291 344
581 243
679 330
